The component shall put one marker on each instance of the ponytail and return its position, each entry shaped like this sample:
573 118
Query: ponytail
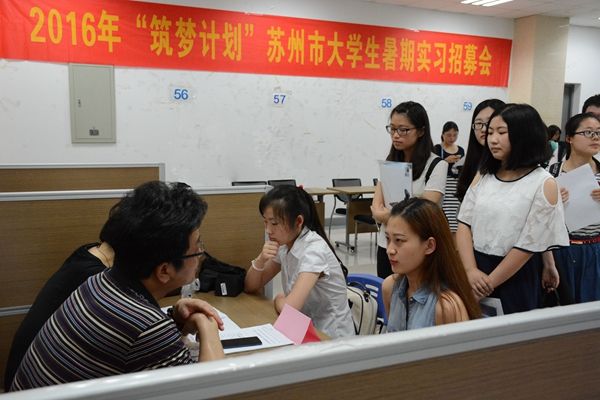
288 202
313 222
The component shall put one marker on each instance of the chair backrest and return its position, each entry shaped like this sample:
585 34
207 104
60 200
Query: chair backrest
346 182
282 182
373 284
248 183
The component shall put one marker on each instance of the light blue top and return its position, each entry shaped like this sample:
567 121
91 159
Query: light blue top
421 308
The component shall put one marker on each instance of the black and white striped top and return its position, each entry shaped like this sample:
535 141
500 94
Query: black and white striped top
589 231
110 325
586 232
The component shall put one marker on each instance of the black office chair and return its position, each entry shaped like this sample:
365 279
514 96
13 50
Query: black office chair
282 182
365 220
342 197
248 183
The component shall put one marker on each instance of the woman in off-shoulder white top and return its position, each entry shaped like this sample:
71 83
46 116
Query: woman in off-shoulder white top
512 214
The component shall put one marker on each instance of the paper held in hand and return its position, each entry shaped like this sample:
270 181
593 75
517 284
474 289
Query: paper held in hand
580 210
396 181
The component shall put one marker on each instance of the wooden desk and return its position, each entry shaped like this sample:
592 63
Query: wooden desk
354 207
246 310
319 203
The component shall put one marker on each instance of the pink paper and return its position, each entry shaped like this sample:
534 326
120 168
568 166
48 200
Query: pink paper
293 324
311 335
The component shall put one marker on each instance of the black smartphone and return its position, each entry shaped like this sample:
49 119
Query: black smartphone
241 342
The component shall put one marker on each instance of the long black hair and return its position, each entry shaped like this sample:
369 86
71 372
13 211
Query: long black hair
448 126
527 134
474 150
443 268
417 115
287 203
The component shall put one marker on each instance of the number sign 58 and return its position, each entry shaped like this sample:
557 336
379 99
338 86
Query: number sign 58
386 102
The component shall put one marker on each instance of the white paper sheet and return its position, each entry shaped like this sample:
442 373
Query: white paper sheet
396 181
491 306
227 322
268 335
581 210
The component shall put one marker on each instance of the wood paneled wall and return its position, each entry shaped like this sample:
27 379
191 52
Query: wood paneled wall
50 178
557 367
36 236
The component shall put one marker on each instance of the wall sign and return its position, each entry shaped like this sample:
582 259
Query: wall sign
131 33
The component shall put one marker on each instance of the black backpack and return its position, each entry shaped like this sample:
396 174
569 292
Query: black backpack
224 279
555 169
434 162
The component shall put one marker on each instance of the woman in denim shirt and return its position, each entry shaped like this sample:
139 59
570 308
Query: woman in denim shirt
429 285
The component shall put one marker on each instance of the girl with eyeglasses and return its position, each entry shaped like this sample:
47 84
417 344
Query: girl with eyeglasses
312 276
481 116
512 213
451 153
579 264
411 142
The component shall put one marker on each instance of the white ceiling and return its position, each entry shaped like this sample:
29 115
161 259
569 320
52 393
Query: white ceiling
580 12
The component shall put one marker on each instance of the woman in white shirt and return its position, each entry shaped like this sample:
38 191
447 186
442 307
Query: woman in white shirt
411 142
579 264
512 213
313 278
479 121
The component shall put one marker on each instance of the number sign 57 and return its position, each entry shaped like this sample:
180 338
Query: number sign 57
279 99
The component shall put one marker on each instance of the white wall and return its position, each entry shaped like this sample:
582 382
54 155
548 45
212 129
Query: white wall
583 61
330 128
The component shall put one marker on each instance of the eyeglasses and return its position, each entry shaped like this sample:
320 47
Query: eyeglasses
589 134
478 125
400 131
200 252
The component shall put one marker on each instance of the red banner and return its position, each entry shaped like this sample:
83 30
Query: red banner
130 33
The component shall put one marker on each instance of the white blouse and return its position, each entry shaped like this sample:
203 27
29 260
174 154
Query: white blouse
436 183
327 302
513 214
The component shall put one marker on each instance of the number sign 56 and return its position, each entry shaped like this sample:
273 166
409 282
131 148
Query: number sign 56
181 94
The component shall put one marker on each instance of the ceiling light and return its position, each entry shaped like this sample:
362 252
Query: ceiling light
496 2
485 3
482 2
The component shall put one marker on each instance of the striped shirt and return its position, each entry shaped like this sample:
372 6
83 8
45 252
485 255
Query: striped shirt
110 325
589 231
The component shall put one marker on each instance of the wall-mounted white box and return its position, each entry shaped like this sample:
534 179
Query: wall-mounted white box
92 92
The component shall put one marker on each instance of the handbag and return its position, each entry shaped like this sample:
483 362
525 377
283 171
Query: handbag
225 279
550 299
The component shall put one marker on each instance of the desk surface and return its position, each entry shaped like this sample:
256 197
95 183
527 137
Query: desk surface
318 191
245 310
353 189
